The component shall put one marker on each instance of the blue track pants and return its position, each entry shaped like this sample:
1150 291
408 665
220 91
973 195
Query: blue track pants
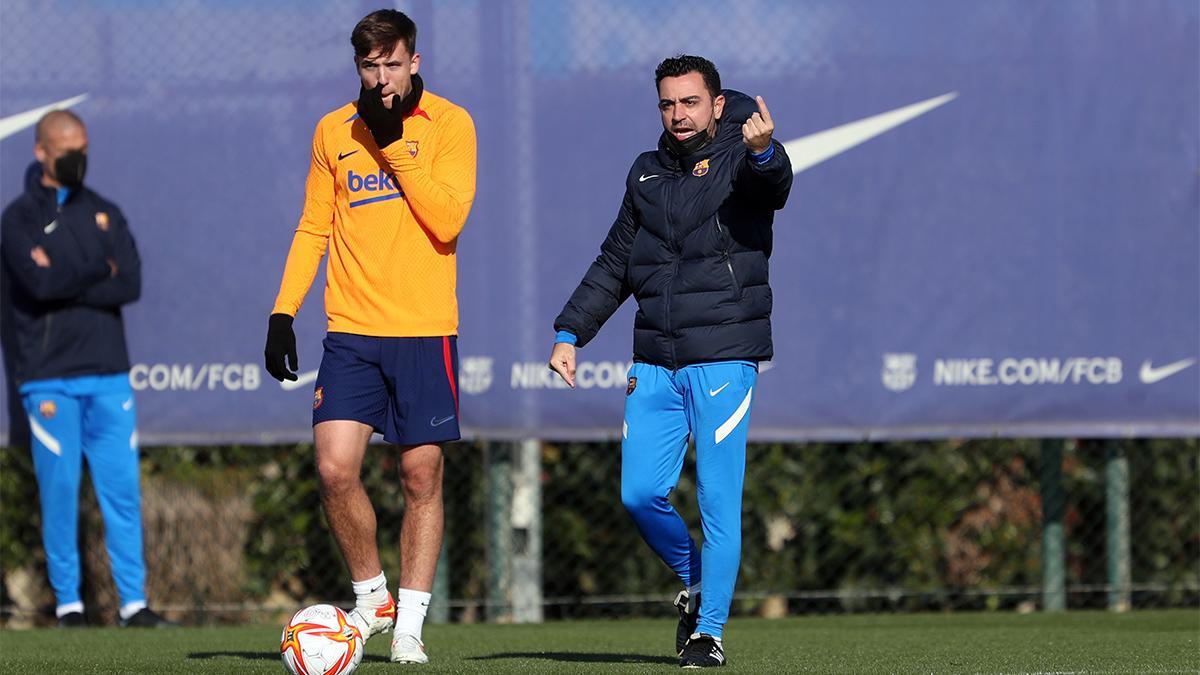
89 416
710 402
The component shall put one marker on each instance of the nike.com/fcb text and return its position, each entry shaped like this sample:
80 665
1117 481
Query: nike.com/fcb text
1027 371
189 377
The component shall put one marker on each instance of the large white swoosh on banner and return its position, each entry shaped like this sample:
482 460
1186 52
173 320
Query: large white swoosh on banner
808 151
22 121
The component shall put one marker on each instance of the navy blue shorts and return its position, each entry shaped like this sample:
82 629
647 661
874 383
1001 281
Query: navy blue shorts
405 388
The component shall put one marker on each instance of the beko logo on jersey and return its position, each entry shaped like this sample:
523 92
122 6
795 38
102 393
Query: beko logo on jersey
189 377
373 183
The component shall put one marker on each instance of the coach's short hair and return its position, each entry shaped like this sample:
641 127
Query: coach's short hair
683 64
383 29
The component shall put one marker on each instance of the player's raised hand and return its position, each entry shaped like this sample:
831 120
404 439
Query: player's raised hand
562 361
385 124
756 132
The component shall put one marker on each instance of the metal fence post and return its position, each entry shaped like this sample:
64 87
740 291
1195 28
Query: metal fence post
499 534
527 533
1054 595
1116 517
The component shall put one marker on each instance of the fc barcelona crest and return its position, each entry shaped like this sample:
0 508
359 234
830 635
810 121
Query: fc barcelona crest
700 169
102 220
899 371
631 387
413 149
48 409
318 397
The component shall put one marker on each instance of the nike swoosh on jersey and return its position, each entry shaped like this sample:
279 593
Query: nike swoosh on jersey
808 151
643 178
714 392
1149 374
303 379
19 122
435 422
344 155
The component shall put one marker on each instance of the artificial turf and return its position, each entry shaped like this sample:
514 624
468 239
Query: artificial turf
1166 641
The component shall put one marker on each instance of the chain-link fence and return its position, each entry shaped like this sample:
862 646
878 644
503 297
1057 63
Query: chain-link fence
235 534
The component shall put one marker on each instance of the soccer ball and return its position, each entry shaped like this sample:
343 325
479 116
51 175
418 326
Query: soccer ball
320 640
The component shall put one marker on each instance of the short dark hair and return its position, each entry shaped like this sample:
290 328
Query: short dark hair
383 29
683 64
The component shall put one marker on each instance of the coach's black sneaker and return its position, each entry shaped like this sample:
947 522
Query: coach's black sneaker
147 618
702 651
72 620
687 619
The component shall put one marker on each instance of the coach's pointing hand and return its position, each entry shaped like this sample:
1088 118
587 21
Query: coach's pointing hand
281 344
756 132
562 361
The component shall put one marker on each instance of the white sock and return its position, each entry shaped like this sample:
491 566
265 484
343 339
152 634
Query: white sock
410 611
128 609
696 635
370 592
63 610
693 595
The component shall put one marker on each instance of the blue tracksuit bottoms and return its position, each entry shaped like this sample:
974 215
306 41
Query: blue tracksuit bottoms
72 418
711 403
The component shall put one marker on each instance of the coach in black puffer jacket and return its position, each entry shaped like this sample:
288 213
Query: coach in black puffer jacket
691 244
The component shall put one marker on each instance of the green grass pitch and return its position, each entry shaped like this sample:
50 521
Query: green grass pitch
1074 642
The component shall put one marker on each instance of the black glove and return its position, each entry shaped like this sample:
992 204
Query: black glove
281 343
387 124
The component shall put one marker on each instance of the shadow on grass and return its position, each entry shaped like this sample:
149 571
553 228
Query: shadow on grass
264 656
578 657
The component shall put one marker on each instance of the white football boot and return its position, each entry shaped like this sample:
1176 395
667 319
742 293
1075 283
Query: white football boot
374 620
408 649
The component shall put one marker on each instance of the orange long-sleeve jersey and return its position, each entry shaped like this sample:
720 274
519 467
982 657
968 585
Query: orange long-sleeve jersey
390 220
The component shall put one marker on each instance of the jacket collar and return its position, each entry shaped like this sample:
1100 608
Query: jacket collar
33 184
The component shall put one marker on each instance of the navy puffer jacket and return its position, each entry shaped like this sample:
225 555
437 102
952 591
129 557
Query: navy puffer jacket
65 320
691 244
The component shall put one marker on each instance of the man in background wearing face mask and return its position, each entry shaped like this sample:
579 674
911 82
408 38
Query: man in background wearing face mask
690 243
390 184
69 264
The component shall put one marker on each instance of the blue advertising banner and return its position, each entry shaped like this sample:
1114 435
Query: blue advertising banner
994 227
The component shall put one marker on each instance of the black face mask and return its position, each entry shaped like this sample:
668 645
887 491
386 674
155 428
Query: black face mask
71 168
693 144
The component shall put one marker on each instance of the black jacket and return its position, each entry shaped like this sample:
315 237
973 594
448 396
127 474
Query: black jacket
691 244
65 320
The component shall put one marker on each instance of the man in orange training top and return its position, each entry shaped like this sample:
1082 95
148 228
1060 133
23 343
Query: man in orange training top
390 185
